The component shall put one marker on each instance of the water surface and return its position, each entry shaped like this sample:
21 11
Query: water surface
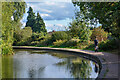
46 64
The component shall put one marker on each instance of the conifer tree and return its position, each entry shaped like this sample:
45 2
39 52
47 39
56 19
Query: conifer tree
31 18
39 25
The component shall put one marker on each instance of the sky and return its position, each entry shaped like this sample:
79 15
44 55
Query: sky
56 15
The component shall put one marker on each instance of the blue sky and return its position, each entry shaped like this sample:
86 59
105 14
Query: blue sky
56 15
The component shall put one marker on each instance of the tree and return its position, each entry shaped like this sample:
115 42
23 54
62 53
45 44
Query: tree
60 35
39 25
106 13
22 35
100 33
79 29
31 18
8 24
19 11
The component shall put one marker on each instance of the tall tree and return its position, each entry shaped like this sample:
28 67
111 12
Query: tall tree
9 23
107 13
31 18
79 29
39 25
19 11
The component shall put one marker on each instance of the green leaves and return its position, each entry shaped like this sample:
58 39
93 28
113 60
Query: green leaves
106 12
60 35
31 18
9 9
39 25
79 29
36 23
22 35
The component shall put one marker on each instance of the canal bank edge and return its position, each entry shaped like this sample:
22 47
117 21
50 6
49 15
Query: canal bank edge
105 70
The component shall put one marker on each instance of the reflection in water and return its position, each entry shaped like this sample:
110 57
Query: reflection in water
25 64
0 67
78 67
7 67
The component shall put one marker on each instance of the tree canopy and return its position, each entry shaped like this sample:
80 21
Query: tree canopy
39 25
10 17
35 22
79 29
31 18
106 13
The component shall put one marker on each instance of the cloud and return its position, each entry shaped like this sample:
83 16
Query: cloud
45 10
44 15
56 15
56 10
50 3
56 27
48 0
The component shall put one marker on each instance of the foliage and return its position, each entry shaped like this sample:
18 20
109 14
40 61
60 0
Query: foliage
30 18
60 35
99 33
109 45
46 41
79 29
19 11
35 22
9 9
58 43
37 36
72 42
21 36
106 13
39 25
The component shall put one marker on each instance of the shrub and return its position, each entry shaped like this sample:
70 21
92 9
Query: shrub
100 33
47 40
108 45
79 29
37 36
22 35
60 35
58 43
72 42
33 43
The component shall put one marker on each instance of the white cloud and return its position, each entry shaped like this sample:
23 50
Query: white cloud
59 25
63 6
44 15
50 3
48 0
56 15
56 27
45 10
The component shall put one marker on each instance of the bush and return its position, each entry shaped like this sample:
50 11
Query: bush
65 43
47 40
100 33
72 42
108 45
60 35
58 43
37 36
21 36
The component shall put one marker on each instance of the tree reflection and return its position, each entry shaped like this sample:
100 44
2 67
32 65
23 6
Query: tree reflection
7 67
79 68
0 67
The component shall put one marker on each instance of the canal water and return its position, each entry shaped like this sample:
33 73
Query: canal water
46 64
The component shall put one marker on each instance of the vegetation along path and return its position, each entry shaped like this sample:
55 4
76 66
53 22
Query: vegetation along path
110 62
